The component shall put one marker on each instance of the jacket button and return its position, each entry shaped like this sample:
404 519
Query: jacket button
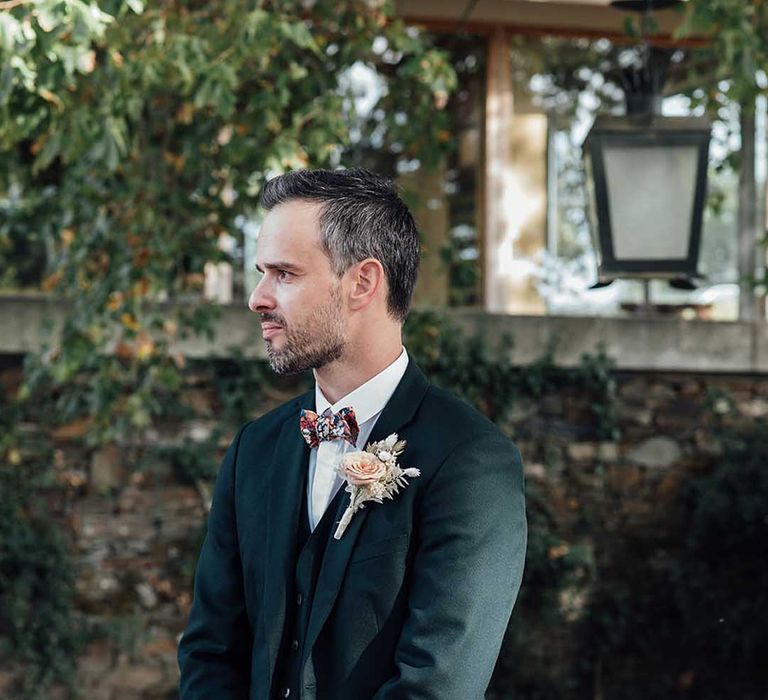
295 644
298 601
286 692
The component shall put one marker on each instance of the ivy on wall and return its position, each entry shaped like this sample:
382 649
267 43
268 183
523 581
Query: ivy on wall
134 135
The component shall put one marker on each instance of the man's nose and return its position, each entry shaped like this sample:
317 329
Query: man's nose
260 299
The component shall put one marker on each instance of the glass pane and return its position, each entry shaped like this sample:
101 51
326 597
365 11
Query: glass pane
650 192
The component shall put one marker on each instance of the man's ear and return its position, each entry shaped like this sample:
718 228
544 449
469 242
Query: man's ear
367 280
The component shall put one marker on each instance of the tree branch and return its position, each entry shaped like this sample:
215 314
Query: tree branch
10 4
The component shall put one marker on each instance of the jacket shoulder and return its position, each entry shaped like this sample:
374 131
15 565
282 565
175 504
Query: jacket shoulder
461 436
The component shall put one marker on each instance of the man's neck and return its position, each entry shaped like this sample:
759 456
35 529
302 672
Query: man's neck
339 378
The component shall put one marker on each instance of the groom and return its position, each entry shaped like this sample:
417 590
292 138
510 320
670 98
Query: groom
413 599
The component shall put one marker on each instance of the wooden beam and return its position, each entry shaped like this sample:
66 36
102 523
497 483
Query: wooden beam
447 26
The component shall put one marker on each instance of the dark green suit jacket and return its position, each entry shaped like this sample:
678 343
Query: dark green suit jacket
413 600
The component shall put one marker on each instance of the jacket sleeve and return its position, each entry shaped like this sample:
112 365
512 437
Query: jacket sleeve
214 651
467 570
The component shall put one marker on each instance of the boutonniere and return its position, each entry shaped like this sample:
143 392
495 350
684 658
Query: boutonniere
372 475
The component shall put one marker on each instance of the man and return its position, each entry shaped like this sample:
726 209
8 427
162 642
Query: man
413 599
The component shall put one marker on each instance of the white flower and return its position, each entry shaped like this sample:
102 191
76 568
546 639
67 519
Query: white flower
390 440
385 455
378 491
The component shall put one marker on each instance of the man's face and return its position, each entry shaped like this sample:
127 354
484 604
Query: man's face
299 298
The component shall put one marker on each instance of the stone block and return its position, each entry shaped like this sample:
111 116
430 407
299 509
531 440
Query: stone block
7 681
522 410
691 388
106 469
199 431
135 680
756 408
678 415
11 379
634 391
641 416
655 453
734 384
608 451
146 594
535 470
96 659
552 404
582 451
669 487
707 444
199 400
660 392
623 477
73 430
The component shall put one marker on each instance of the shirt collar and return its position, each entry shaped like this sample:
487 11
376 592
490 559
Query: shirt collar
369 398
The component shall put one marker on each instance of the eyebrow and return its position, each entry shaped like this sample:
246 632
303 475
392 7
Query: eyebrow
279 266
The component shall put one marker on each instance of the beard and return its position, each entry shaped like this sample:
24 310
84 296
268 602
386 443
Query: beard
316 342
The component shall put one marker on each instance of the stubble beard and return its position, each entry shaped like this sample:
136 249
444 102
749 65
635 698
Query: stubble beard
317 342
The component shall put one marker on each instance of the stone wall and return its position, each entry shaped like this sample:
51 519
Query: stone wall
136 534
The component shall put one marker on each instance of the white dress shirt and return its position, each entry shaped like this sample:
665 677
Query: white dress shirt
367 401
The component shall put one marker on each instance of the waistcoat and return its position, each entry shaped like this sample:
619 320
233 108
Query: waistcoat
289 681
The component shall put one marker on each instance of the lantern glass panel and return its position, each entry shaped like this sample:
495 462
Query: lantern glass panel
651 192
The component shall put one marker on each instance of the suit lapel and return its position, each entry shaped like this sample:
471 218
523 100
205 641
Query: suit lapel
398 412
283 502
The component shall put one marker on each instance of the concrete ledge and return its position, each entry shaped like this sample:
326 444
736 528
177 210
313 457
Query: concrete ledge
658 344
634 343
23 317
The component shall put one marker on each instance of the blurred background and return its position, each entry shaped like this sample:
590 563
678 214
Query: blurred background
589 181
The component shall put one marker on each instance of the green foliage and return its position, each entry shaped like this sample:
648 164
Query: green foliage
241 385
137 135
39 629
558 575
683 594
461 364
722 584
488 378
733 61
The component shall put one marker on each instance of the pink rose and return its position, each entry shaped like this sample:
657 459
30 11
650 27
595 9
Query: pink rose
361 468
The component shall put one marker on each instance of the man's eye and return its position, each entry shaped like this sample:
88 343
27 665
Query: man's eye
283 274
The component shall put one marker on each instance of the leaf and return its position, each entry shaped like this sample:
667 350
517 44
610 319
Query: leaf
49 96
9 31
46 19
255 22
298 33
51 148
6 83
24 71
630 27
136 5
88 21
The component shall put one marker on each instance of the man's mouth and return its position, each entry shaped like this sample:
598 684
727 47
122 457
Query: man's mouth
269 329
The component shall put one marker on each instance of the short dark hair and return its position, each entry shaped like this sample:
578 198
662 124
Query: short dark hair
362 217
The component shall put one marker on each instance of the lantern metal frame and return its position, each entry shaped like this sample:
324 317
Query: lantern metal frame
644 131
644 127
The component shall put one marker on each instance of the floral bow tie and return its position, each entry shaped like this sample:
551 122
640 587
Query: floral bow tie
329 426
